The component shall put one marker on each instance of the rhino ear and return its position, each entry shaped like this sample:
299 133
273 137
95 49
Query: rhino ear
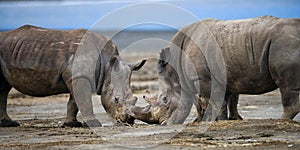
163 57
112 60
137 66
162 63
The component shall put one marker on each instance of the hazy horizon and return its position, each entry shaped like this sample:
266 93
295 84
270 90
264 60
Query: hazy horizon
68 14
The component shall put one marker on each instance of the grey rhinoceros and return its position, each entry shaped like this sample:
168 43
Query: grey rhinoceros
210 62
42 62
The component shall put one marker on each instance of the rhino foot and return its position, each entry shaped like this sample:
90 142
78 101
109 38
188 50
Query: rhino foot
197 120
8 123
72 124
222 117
236 117
92 123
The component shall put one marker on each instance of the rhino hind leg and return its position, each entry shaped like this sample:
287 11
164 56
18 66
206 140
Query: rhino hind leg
290 103
5 120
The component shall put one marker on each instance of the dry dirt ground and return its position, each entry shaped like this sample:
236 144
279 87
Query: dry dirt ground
41 120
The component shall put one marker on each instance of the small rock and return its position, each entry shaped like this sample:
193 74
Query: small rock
290 145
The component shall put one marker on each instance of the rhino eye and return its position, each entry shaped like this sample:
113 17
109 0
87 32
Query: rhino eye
117 100
165 99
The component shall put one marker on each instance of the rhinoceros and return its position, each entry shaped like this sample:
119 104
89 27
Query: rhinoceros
231 57
42 62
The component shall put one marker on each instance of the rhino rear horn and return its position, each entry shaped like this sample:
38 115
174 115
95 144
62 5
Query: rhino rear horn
133 100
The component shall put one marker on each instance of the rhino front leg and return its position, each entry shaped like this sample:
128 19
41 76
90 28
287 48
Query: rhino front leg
72 111
230 103
5 120
223 114
216 107
183 110
201 105
82 93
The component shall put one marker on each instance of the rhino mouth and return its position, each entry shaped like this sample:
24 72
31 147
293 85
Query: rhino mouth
122 116
154 113
144 114
126 119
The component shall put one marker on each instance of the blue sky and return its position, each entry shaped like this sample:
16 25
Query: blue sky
87 14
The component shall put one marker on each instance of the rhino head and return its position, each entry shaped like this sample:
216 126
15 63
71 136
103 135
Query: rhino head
113 83
116 94
162 106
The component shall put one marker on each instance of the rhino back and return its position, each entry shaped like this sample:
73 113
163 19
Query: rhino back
244 45
33 59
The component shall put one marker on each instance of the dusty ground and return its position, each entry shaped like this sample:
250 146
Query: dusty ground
41 120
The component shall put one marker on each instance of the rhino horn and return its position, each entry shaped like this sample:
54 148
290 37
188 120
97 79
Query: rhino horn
163 56
138 65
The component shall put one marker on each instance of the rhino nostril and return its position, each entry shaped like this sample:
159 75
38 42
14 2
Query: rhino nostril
144 96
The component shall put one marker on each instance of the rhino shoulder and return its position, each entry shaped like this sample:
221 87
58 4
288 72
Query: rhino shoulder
286 22
267 17
187 32
194 26
285 29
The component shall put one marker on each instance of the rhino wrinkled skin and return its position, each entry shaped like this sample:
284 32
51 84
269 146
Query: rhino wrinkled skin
42 62
259 55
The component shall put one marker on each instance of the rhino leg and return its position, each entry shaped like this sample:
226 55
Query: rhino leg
284 68
81 90
5 120
216 108
72 111
201 104
200 110
224 111
232 100
230 104
291 103
213 113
